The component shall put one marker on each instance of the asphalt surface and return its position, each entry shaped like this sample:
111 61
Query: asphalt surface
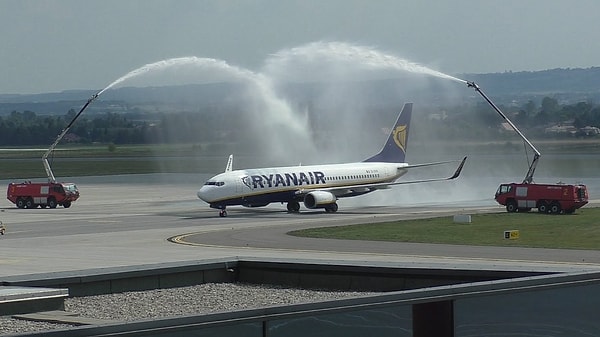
146 219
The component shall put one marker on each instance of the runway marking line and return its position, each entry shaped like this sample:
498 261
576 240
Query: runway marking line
104 221
180 239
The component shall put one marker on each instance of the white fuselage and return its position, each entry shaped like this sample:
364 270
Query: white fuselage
280 184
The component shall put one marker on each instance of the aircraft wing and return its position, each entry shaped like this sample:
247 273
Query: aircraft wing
365 188
454 176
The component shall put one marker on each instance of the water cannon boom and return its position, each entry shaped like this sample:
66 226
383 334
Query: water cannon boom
529 177
49 172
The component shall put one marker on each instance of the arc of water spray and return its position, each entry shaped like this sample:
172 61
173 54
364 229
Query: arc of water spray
191 60
280 112
335 51
341 51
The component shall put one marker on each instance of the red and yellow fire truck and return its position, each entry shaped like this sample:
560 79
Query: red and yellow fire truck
547 198
31 194
555 199
48 194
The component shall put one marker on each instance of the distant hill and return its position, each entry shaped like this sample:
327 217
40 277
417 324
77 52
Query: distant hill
540 82
567 85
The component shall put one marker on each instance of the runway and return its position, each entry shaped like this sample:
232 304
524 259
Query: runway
128 220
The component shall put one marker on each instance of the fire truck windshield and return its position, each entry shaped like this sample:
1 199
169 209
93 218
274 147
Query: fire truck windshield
503 189
70 187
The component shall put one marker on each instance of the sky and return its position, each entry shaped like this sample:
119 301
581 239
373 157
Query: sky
56 45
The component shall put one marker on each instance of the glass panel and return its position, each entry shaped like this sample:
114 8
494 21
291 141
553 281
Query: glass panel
238 330
392 321
571 312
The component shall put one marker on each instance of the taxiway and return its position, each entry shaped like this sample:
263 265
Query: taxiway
148 219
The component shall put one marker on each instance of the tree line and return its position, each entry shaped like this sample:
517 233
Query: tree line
27 128
480 121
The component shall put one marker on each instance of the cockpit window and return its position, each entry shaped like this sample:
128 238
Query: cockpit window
215 183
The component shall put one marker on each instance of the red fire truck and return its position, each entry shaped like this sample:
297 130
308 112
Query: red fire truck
553 199
52 193
31 195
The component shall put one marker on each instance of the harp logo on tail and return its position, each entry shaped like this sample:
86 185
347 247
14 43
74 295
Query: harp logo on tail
400 137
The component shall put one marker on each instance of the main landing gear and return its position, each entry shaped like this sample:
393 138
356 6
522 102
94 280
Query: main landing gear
332 208
294 207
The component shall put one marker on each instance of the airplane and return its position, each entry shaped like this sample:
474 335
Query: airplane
317 186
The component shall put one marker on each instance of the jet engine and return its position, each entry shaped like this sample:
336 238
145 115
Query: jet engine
319 199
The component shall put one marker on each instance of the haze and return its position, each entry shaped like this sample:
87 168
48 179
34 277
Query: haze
49 46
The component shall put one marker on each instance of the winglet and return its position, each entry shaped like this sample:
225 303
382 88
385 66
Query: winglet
394 150
459 169
229 166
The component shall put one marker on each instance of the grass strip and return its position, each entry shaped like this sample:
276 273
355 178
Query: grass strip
580 230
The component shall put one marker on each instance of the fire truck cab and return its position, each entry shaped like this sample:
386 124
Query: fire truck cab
32 195
547 198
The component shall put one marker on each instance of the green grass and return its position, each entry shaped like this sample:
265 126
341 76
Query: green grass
580 230
91 160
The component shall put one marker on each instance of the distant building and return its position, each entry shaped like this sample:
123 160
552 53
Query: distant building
506 127
590 131
561 130
71 138
438 117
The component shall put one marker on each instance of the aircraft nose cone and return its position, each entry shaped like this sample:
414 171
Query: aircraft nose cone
201 193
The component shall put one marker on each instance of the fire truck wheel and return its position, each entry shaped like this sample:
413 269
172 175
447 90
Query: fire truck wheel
554 208
543 207
66 204
29 203
20 203
511 206
52 202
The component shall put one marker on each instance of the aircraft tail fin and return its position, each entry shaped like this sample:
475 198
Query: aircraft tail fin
394 150
229 166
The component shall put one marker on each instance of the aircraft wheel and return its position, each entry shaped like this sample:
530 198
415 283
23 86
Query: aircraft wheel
293 207
223 213
331 208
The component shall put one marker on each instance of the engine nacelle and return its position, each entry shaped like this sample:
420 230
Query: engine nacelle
319 199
